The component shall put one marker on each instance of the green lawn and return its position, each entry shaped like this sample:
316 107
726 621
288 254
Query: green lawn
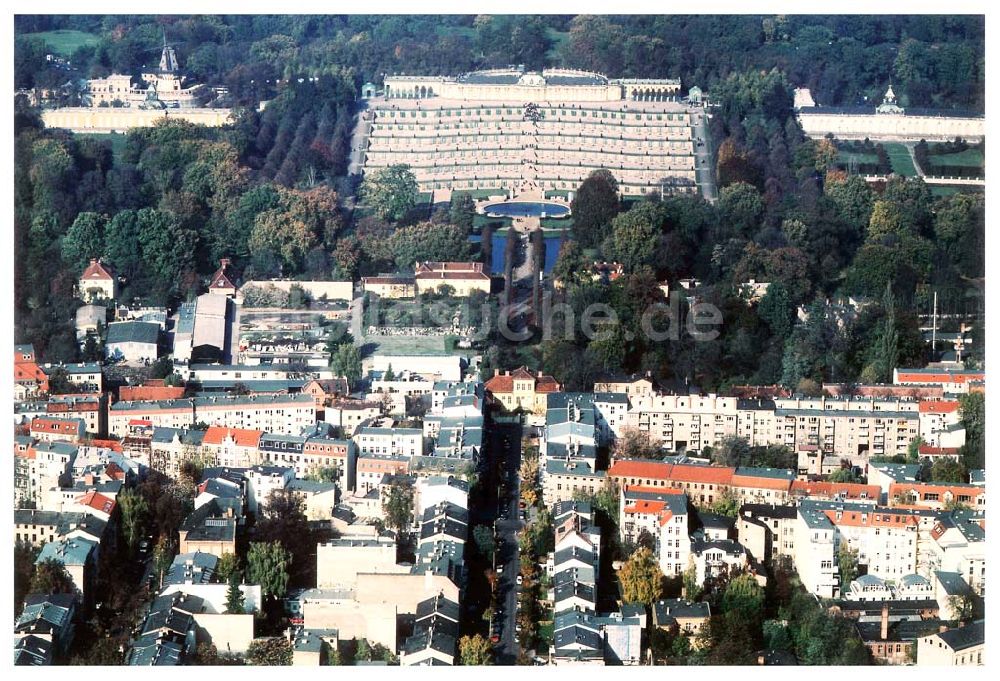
476 194
938 190
481 221
899 159
970 158
556 223
65 43
117 141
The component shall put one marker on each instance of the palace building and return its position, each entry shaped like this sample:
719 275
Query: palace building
521 132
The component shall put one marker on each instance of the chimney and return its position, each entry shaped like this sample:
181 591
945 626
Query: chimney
93 261
885 622
760 659
943 628
224 262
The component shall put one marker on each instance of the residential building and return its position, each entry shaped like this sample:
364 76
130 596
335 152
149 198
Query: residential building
132 341
636 385
49 618
349 415
767 531
29 378
97 283
894 642
232 447
390 286
222 281
681 616
171 447
79 557
960 646
269 413
54 429
937 496
462 277
263 481
521 389
208 529
379 440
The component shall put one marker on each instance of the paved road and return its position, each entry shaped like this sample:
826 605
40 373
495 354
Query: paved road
507 529
704 173
520 299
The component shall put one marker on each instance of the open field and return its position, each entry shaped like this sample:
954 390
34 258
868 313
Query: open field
117 140
65 43
899 158
970 158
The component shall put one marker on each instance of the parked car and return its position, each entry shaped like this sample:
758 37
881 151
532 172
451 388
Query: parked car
520 580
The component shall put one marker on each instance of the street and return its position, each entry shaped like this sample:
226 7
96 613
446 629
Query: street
704 172
508 437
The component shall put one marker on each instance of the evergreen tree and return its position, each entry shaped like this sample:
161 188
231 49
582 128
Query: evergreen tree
235 600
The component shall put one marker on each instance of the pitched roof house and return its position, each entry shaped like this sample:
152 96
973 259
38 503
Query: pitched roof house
97 282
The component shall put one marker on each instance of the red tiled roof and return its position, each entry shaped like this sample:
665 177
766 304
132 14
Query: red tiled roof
651 490
30 371
97 501
645 506
938 406
500 384
547 384
114 471
930 450
55 425
140 393
712 474
659 470
242 437
760 482
942 377
221 277
113 445
319 448
504 383
97 271
640 469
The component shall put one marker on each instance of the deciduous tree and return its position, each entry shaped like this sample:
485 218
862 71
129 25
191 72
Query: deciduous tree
268 565
475 651
391 191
